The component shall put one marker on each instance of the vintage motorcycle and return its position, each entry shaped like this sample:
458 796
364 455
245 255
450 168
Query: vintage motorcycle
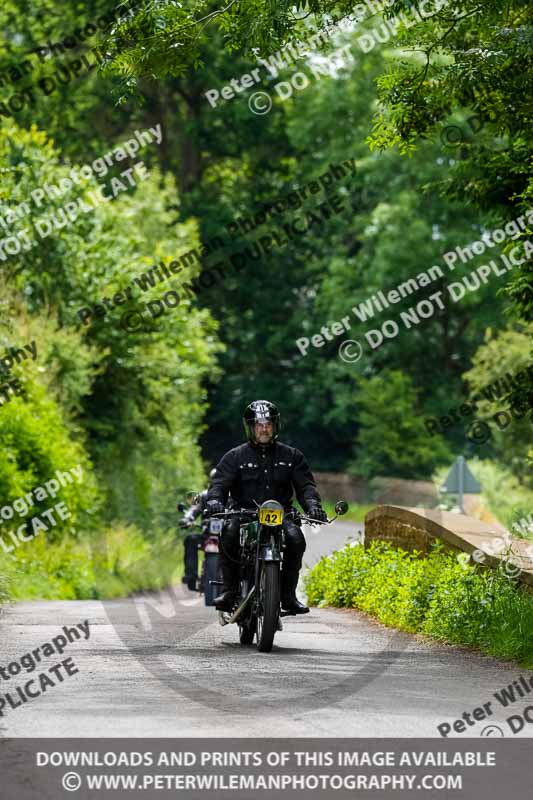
262 540
210 577
210 529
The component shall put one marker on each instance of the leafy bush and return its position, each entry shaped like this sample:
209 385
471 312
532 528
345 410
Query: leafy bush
126 405
36 441
438 595
133 399
116 563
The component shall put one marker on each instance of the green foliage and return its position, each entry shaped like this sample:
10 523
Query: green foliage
116 562
169 38
133 404
438 595
508 353
502 492
393 439
477 58
35 442
37 436
133 391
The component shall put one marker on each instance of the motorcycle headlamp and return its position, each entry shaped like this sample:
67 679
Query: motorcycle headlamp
271 513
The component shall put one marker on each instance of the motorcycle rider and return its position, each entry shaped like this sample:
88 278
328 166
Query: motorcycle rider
193 541
263 469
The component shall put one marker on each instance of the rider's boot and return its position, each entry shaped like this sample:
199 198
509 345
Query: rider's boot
230 590
289 601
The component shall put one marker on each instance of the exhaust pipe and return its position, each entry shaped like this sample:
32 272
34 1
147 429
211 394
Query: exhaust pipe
242 606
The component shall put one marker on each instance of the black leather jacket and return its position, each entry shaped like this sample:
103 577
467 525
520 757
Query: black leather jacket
264 473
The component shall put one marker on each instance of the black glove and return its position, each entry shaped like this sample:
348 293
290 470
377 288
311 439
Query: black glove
215 507
185 523
318 513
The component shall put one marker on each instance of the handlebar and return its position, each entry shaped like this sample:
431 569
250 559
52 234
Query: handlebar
287 515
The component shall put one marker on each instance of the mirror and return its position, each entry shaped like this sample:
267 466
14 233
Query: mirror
341 507
181 507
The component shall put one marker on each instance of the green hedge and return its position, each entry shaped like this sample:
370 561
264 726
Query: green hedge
115 563
437 595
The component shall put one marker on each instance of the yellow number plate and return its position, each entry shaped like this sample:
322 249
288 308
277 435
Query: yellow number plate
271 516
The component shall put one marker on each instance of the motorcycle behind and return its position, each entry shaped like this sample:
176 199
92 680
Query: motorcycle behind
258 611
210 578
205 539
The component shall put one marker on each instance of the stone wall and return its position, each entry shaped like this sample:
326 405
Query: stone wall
417 529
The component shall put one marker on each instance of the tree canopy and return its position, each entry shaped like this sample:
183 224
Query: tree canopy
395 144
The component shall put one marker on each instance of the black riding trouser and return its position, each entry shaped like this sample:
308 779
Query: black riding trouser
230 551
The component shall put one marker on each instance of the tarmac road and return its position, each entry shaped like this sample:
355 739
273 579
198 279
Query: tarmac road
163 667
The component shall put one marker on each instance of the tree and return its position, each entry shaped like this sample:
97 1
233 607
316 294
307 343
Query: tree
392 439
476 56
501 368
136 394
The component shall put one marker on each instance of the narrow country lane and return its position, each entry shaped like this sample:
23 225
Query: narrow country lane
162 666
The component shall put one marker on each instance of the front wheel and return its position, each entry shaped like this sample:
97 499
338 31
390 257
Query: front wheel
268 606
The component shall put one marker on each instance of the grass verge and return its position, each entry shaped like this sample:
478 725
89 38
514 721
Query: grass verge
437 595
115 563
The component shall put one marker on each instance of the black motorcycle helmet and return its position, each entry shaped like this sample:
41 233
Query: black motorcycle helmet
261 411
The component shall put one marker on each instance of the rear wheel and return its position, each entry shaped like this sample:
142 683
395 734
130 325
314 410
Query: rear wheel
211 573
268 614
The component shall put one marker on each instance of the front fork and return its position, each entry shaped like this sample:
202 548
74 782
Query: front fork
266 552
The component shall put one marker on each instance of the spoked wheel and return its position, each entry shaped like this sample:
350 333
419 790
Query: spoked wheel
268 606
211 572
